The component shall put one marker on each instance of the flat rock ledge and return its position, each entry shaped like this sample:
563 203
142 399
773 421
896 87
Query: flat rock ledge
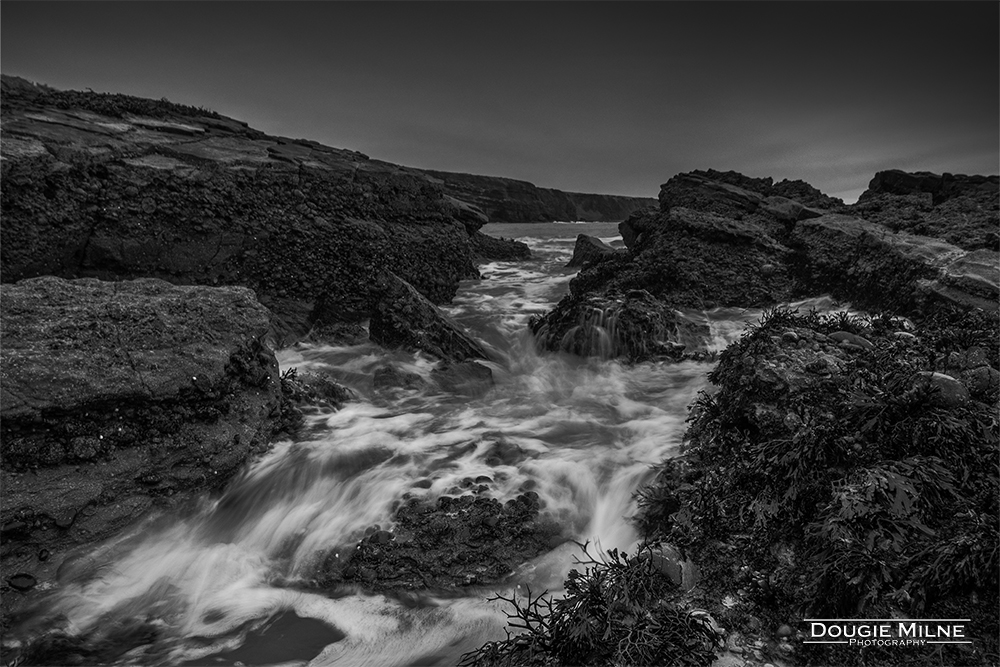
116 396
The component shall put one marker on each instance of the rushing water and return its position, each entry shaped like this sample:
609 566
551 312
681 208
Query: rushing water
218 582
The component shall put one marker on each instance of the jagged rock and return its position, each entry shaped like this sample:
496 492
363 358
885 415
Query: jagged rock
941 187
308 389
873 266
489 247
589 249
962 210
118 394
403 318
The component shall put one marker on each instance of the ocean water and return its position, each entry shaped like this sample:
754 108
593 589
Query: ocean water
217 582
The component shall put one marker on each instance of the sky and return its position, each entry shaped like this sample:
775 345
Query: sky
608 97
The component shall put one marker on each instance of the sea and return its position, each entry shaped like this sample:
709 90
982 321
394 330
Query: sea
218 581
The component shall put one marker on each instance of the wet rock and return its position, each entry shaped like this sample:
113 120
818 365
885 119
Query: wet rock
847 338
403 318
946 391
790 338
504 452
635 326
488 247
589 249
465 378
389 377
981 382
313 388
669 561
455 542
111 387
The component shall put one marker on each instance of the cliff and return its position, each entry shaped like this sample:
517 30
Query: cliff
509 200
119 187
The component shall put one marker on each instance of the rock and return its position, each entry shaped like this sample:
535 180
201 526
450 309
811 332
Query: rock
589 249
22 582
115 394
941 187
486 247
981 382
465 378
788 210
388 377
456 542
946 391
848 338
308 389
403 318
785 630
872 266
636 327
669 561
790 338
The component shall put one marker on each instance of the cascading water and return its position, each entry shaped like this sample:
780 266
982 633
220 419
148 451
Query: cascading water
208 584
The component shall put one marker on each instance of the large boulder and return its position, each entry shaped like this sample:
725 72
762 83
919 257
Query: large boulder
589 249
404 318
119 395
683 258
634 326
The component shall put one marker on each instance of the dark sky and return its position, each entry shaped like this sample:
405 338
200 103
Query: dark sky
583 96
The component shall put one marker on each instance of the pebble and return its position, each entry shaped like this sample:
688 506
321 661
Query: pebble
950 393
790 337
847 338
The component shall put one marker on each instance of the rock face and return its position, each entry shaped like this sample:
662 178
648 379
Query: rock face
724 239
119 394
810 414
589 249
961 210
486 247
899 271
509 200
403 318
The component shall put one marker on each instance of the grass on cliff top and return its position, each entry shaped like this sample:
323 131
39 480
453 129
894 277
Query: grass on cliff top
116 105
864 497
